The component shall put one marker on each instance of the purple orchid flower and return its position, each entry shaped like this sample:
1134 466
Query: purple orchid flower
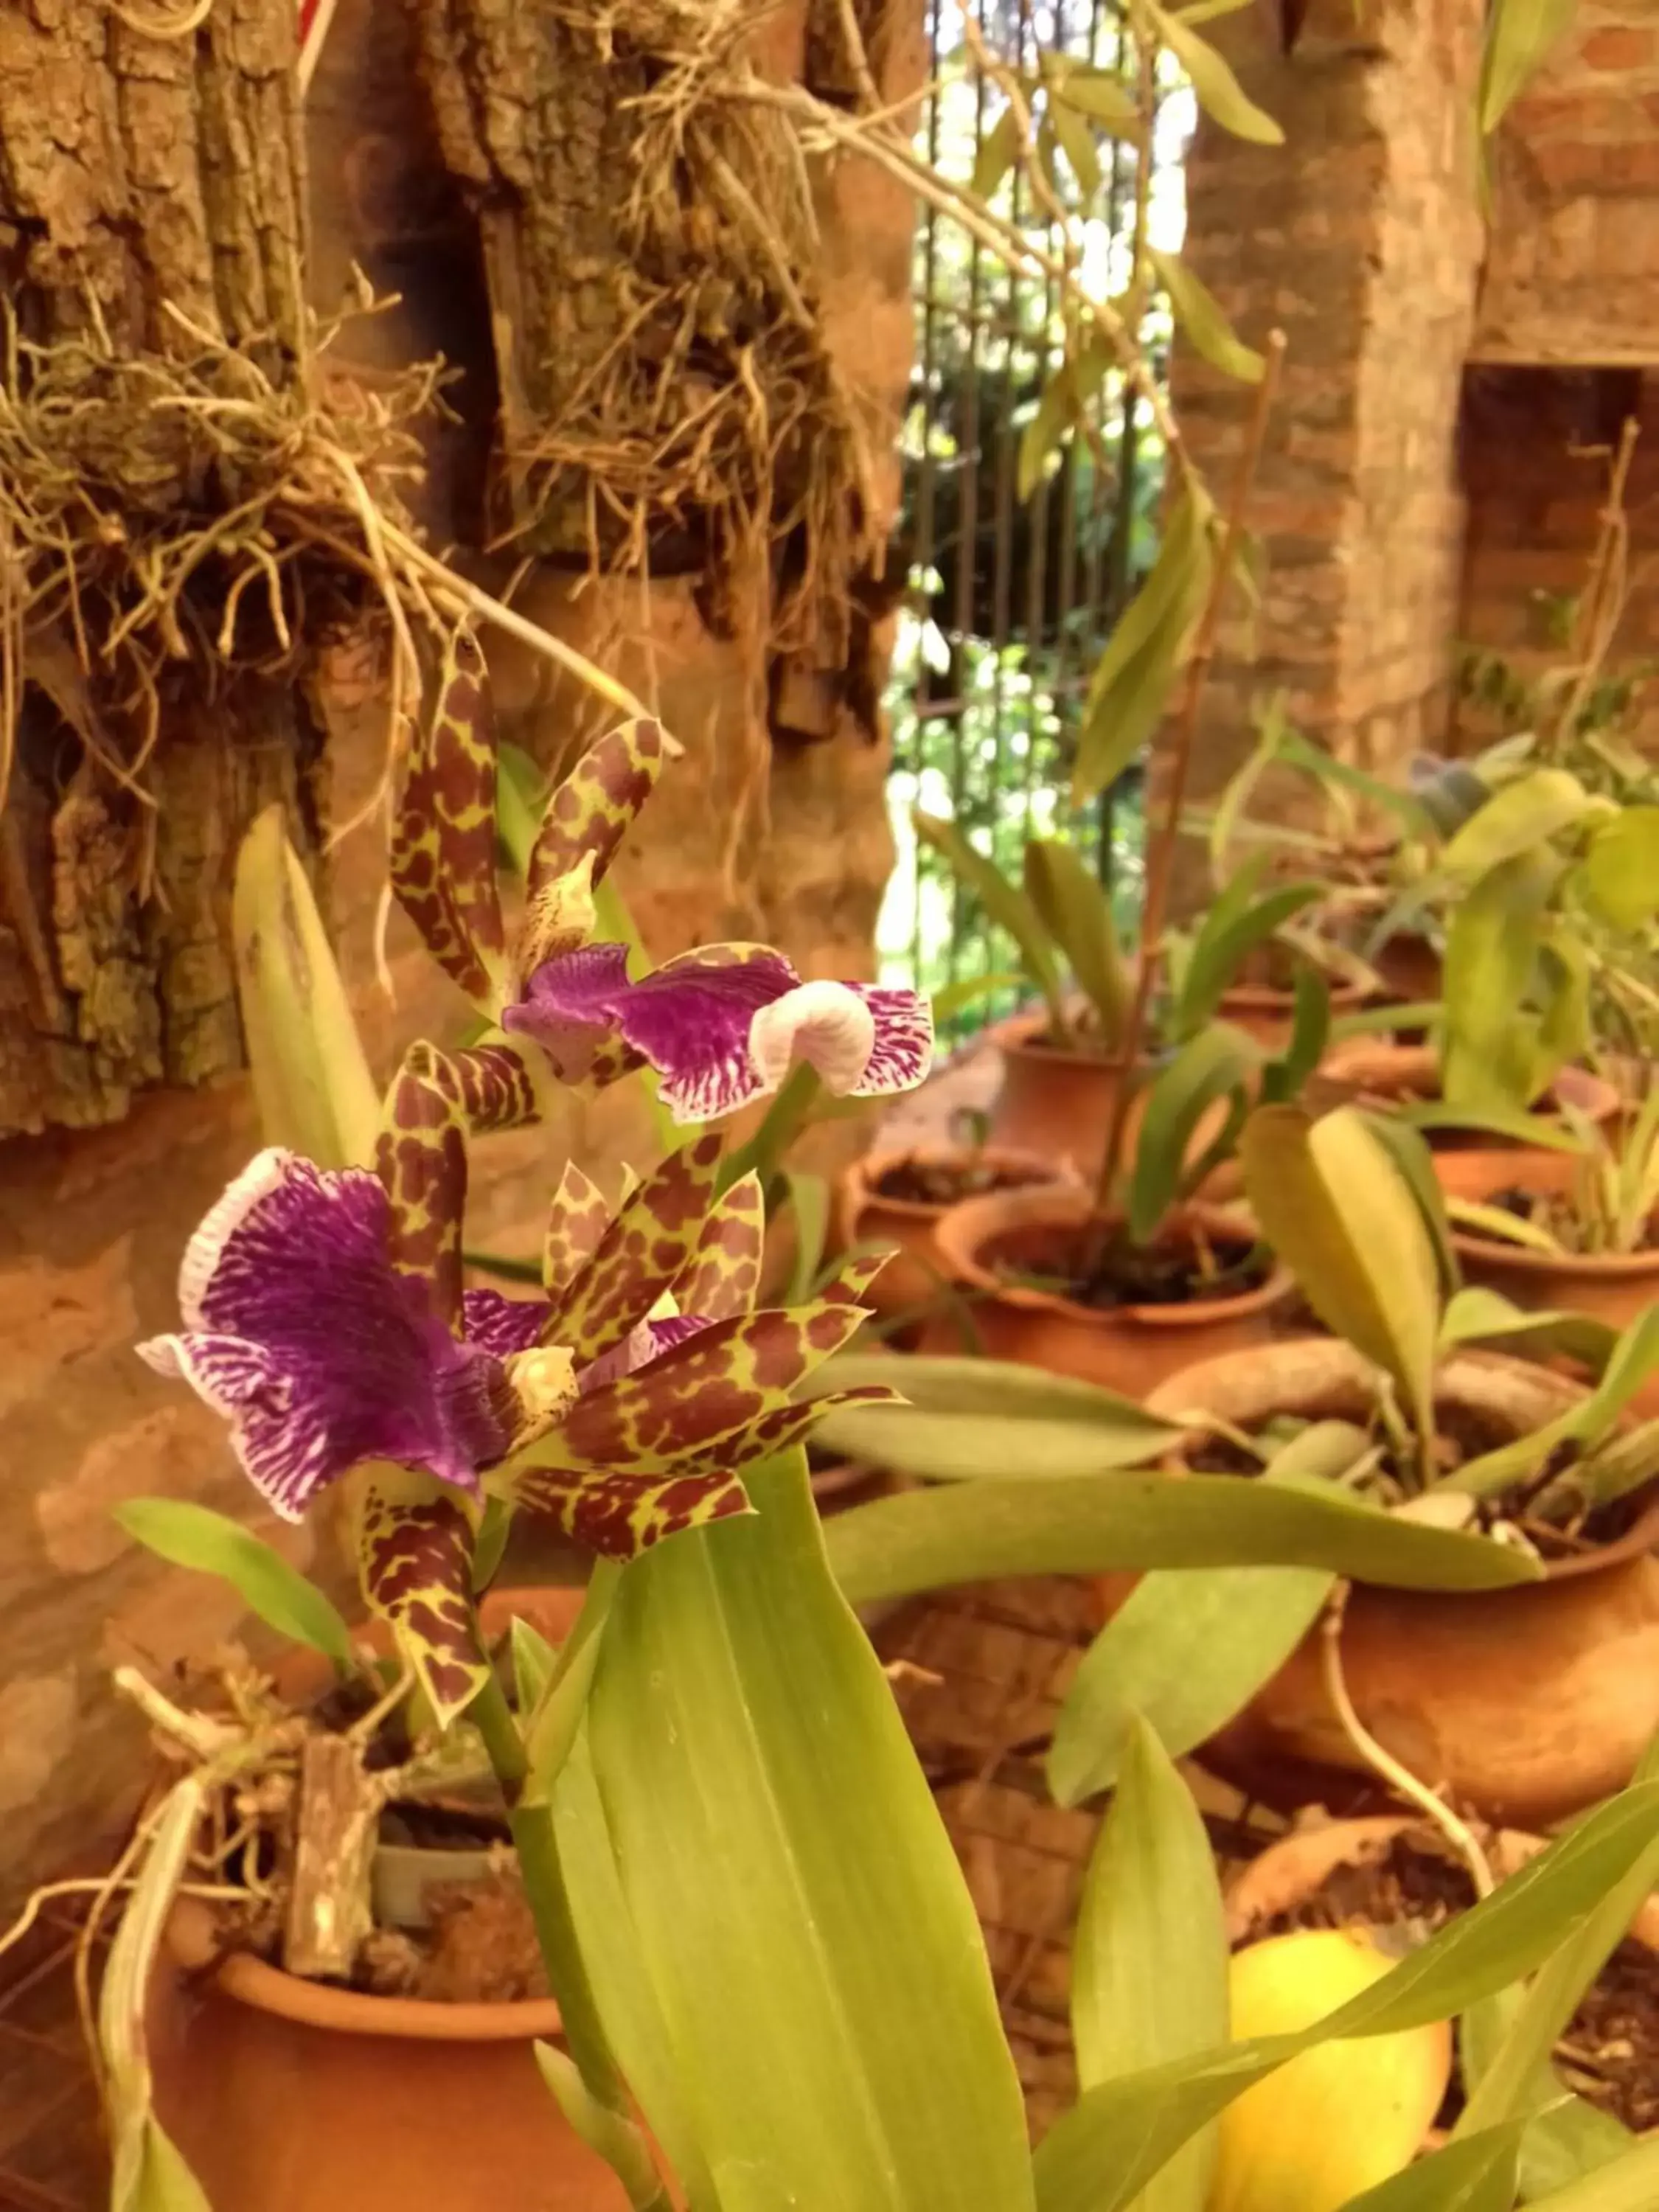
721 1025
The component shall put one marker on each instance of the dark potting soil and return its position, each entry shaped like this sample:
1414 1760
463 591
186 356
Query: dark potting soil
1610 2051
931 1182
1183 1269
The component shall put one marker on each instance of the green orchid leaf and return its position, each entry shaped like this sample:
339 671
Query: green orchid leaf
956 998
809 1207
1631 1362
606 2134
998 150
1544 1131
1520 37
1415 1162
1007 906
1498 1223
1220 1063
1235 924
1334 1205
1148 1964
1099 93
1630 2184
1477 2173
1491 1056
1102 2154
554 1688
1047 1525
1516 821
1339 775
1076 908
1187 1649
838 2045
1217 90
1198 313
1624 1464
305 1060
1131 685
1311 1031
189 1536
1478 1316
1056 415
1621 868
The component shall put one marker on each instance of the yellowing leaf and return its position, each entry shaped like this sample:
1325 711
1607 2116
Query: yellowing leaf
998 152
1132 678
1219 92
1195 308
1517 818
1621 868
1100 95
1520 34
1077 142
1076 910
1056 414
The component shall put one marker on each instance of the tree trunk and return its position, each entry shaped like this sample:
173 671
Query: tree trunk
137 174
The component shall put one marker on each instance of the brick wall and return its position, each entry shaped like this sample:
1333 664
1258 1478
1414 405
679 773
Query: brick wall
1359 239
743 839
1571 274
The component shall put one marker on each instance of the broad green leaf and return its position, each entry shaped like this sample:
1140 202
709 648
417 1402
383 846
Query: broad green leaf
1103 2152
1562 987
998 150
1149 1963
1230 933
1498 1223
1198 313
1218 91
1478 1315
305 1060
1055 1525
1520 36
1489 1058
994 1389
1006 905
837 2043
1075 908
628 2008
1218 1063
1187 1650
147 2173
1334 1205
554 1708
1621 868
1130 687
1077 142
809 1208
496 1525
1629 2184
1310 1033
1633 1359
1056 413
212 1544
1474 2174
1546 1131
1100 95
1520 818
1625 1462
1415 1162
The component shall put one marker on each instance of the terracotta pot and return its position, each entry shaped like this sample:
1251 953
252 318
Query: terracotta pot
864 1216
1269 1016
1296 1868
1053 1103
1129 1349
1410 970
1616 1287
1367 1073
1526 1704
287 2095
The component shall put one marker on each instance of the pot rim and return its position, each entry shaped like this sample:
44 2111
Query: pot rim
1264 997
859 1176
1305 1857
1639 1538
965 1229
1015 1036
1574 1086
1548 1172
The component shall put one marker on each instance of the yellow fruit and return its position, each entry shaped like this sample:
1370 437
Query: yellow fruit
1343 2117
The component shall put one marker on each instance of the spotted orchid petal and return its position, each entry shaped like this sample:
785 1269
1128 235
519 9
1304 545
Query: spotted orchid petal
415 1544
299 1329
443 842
622 1515
586 818
721 1025
641 1254
576 1220
724 1273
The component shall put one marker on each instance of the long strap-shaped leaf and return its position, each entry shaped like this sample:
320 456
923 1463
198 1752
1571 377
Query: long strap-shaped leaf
810 1939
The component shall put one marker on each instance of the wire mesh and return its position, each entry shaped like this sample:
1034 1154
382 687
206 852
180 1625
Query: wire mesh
1011 600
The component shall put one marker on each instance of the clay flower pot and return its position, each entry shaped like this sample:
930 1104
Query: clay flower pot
1269 1015
287 2095
865 1215
1129 1348
1527 1703
1053 1103
1410 969
1365 1072
1615 1287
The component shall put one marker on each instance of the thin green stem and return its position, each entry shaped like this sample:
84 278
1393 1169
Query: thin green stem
537 1845
784 1119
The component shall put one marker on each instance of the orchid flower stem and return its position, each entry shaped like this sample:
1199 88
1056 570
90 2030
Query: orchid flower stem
537 1845
782 1123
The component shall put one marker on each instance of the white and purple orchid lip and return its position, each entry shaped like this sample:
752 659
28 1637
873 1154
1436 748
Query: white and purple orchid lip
319 1355
724 1025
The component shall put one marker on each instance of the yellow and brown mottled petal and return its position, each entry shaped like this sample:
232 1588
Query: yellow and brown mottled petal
725 1270
495 1087
415 1543
640 1254
592 809
443 842
576 1221
421 1159
620 1515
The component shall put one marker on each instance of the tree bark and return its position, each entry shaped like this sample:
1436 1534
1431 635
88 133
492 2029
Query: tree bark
139 172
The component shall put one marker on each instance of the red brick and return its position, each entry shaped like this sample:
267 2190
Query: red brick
1621 46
